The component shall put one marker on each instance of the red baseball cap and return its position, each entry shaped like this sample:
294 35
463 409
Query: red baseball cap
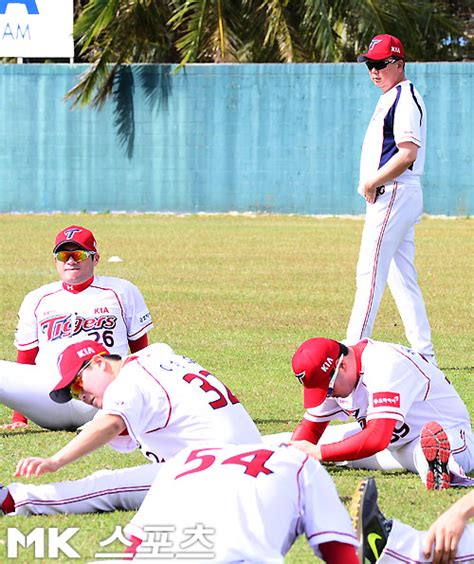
81 236
313 364
383 47
74 358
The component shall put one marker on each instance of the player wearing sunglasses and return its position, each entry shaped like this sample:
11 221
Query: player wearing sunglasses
391 166
80 305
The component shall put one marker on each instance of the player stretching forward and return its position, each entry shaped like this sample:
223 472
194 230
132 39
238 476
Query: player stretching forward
80 305
253 500
154 400
449 539
393 393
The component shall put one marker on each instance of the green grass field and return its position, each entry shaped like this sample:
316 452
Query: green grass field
239 294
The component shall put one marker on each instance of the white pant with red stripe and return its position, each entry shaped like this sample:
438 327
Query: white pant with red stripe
387 254
25 388
405 544
105 490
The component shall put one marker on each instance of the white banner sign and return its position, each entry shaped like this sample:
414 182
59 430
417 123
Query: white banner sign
36 28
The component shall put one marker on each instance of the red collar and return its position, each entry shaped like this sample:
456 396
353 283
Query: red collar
77 288
358 350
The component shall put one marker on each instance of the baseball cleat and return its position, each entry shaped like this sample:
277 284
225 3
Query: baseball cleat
371 526
436 449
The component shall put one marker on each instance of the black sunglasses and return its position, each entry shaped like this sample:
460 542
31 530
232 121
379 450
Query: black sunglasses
379 65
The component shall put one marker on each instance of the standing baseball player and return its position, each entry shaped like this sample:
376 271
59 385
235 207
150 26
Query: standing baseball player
391 165
394 393
154 400
80 305
449 539
253 500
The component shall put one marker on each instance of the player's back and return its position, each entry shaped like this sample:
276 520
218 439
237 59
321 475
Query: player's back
250 502
170 402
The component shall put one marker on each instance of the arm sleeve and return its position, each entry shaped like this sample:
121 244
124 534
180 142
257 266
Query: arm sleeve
408 119
138 316
324 518
374 438
309 431
138 344
26 333
336 552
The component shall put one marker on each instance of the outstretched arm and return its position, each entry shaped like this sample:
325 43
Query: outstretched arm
374 438
309 431
98 433
444 534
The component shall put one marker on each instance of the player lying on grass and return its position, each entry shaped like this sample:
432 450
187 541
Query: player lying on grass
394 394
80 305
449 539
253 500
154 400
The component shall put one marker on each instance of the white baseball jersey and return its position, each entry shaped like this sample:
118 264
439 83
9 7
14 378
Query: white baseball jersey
169 402
397 383
110 310
249 502
400 116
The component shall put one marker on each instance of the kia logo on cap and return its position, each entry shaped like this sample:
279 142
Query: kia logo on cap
84 352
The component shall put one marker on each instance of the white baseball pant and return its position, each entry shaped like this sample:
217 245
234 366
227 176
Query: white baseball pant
405 544
105 490
407 457
25 388
387 254
410 455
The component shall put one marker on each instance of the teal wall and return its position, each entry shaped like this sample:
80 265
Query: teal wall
276 138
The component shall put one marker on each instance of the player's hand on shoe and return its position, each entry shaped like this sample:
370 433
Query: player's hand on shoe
13 426
308 448
35 466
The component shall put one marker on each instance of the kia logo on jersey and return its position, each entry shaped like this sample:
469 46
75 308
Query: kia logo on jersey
391 399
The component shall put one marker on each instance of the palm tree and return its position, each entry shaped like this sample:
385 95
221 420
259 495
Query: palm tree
112 33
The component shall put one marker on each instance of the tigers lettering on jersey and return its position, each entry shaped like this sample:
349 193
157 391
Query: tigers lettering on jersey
61 326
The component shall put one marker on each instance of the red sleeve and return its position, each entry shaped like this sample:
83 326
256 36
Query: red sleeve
138 344
336 552
24 357
28 356
309 431
374 438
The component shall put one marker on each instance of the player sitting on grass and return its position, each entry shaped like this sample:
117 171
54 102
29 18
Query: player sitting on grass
80 305
253 500
394 394
155 400
449 539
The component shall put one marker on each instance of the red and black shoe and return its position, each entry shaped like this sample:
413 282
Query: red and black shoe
436 449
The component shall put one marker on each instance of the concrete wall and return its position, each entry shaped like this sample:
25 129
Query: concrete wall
276 138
